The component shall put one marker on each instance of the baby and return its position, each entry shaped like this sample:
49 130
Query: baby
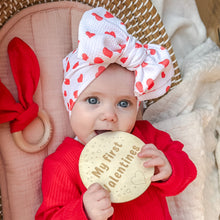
105 79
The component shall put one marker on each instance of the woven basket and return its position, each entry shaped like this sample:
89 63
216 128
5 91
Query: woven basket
140 16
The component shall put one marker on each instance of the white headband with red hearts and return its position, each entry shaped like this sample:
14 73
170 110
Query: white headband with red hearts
102 40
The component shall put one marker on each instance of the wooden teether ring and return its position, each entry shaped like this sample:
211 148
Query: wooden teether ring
33 148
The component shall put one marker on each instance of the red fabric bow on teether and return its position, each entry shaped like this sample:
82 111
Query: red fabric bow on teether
103 39
26 72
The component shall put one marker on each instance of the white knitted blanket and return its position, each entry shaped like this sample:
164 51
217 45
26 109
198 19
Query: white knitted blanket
191 111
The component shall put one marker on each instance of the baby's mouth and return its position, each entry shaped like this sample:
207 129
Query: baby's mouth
101 131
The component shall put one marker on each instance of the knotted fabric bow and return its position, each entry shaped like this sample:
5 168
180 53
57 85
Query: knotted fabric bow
102 40
26 72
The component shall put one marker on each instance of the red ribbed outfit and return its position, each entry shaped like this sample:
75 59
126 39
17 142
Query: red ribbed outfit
63 189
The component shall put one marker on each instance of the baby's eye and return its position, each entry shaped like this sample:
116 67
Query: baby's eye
93 100
123 103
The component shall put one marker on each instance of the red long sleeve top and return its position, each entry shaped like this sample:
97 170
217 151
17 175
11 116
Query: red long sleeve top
63 189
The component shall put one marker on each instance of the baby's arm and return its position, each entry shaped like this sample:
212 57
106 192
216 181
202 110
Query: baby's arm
97 203
183 169
158 160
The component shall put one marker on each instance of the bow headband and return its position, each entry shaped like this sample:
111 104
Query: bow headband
102 40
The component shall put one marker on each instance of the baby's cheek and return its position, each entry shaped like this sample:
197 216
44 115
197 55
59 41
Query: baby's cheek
130 127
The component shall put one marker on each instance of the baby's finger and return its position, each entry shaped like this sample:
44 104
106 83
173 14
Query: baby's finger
94 187
149 152
104 203
161 176
107 212
148 146
155 162
99 192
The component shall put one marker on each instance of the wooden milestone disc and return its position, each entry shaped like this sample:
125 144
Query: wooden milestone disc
111 160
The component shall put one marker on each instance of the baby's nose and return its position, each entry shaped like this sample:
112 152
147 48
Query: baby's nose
109 114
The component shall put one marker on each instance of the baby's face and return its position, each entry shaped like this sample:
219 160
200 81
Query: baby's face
107 104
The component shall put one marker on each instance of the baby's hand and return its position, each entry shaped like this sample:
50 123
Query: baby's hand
97 203
158 160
